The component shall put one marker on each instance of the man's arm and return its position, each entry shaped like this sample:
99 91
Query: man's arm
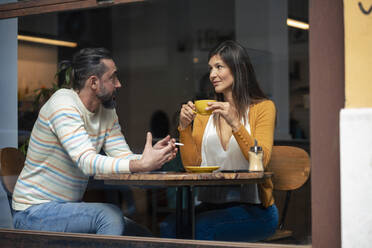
151 159
68 126
115 144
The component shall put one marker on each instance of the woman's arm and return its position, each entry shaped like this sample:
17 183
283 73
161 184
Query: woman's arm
192 138
262 123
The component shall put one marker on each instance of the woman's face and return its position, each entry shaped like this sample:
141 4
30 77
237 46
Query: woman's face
220 75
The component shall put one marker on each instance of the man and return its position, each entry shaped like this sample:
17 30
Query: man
72 128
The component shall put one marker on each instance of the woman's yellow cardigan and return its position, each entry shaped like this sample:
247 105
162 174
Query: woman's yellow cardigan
262 122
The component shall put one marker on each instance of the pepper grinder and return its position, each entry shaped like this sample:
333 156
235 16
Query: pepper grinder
255 158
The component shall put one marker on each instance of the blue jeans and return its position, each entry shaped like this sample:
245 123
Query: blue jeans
77 217
5 212
247 223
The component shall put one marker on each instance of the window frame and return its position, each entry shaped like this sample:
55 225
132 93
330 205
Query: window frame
327 96
33 7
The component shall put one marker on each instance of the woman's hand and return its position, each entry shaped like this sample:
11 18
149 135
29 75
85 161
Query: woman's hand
227 111
187 114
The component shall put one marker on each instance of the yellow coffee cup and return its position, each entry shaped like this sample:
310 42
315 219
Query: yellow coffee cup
200 106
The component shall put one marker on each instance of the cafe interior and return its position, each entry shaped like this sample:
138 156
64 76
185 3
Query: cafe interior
160 48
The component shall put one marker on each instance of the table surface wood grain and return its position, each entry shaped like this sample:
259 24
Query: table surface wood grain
184 178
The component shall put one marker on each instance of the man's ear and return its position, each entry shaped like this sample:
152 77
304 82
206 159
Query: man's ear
93 82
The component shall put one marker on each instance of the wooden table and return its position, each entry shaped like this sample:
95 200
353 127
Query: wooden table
184 180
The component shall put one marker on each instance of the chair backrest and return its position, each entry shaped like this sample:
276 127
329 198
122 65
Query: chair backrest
291 167
11 165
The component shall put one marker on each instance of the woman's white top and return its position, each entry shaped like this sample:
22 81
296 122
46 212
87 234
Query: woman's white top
213 154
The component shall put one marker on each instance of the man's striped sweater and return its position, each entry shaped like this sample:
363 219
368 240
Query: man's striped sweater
64 151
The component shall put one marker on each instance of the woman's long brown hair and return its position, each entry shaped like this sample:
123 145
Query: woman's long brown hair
245 88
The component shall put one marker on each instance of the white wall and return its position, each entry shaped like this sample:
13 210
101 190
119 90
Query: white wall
8 83
356 177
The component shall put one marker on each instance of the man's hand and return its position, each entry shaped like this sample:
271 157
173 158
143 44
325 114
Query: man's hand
163 143
153 158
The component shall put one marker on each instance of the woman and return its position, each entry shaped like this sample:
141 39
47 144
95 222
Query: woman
241 115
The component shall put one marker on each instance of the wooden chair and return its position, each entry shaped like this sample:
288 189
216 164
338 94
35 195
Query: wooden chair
291 167
11 165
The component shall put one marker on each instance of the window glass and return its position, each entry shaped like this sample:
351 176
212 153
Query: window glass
161 50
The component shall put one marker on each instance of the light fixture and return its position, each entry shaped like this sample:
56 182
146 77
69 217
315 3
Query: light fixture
297 24
47 41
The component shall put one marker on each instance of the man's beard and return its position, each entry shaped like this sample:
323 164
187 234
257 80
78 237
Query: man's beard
108 100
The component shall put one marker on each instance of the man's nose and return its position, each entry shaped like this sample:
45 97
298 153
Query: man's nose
117 84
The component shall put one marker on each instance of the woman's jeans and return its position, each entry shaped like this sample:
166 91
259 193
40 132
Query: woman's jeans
244 222
77 217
